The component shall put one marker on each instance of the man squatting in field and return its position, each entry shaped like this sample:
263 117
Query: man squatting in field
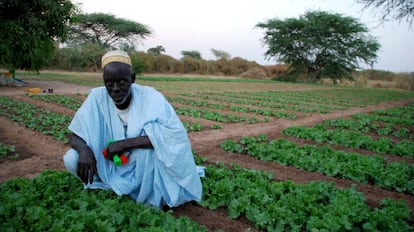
144 127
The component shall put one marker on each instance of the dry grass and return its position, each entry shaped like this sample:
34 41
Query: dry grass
385 79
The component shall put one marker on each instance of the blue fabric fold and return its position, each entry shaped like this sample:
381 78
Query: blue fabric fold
166 174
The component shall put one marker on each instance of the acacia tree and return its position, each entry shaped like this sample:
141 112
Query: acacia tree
320 44
219 54
107 31
29 30
193 54
156 51
396 9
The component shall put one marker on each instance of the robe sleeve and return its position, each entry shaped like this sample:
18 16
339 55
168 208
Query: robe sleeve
175 160
175 163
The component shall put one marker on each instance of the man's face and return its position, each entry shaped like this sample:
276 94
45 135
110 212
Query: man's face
117 79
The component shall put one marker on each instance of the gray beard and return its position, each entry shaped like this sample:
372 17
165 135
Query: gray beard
125 98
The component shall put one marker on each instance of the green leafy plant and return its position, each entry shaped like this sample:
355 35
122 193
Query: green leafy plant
42 120
57 201
374 170
69 102
288 206
8 151
353 139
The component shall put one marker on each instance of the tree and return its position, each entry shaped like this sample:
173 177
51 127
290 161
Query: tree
127 47
320 44
396 9
193 54
29 30
219 54
85 57
156 51
106 30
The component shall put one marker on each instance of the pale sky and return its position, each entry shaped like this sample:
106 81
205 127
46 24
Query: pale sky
229 25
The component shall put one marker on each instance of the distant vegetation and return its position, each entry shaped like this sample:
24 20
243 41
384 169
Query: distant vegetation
87 59
385 79
323 54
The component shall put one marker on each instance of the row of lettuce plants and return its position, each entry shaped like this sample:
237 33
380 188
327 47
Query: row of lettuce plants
279 98
57 201
374 124
406 111
365 124
294 98
196 126
352 139
340 97
75 103
325 99
281 104
376 170
241 109
407 121
42 120
288 206
66 101
213 115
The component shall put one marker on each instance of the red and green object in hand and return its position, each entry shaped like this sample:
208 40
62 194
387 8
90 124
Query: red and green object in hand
118 159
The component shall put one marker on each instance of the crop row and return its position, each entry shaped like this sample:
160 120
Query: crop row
396 121
74 103
369 125
322 101
408 121
397 176
196 126
57 201
276 99
42 120
55 124
339 97
68 102
280 104
352 139
213 115
400 112
242 109
288 206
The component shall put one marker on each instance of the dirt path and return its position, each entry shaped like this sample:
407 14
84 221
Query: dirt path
41 152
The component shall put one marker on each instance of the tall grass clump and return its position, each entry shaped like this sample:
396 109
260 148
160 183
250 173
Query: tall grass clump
385 79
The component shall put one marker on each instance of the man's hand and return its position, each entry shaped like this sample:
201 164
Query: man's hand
86 166
115 148
122 146
86 160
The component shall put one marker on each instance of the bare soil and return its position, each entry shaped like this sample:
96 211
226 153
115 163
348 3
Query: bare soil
39 152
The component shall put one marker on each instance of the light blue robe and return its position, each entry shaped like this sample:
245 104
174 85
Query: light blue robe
166 174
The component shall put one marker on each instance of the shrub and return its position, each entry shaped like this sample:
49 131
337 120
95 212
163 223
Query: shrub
287 77
138 64
254 73
167 64
276 70
85 57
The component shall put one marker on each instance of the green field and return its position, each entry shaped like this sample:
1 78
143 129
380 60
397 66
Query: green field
279 157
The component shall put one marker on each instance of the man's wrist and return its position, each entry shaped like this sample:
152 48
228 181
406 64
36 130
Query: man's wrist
138 142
